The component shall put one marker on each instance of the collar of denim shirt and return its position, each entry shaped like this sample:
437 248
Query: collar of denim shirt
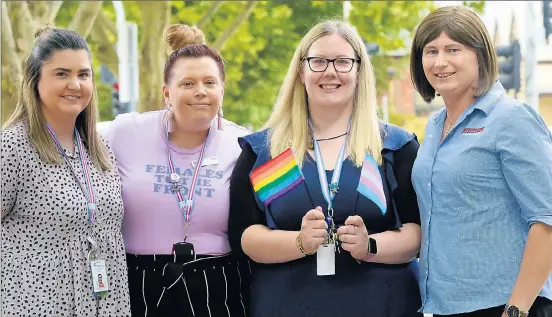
484 103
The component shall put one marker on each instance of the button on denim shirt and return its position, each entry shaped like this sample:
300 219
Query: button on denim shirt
479 191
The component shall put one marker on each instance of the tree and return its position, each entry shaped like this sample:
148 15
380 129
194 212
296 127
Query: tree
255 38
477 6
261 55
152 18
267 41
21 19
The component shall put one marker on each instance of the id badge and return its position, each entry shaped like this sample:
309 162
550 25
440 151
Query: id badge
207 161
98 269
325 259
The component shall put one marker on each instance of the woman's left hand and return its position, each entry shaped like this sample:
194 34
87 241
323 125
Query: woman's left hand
354 237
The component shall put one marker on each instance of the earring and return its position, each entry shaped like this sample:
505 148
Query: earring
219 120
169 111
169 117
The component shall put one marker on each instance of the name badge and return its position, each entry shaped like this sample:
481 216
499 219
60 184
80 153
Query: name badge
325 259
98 269
207 161
99 277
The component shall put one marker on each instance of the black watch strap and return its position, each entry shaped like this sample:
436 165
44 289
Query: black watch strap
372 246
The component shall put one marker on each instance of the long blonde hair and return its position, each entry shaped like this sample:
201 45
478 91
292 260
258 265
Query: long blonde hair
288 123
28 109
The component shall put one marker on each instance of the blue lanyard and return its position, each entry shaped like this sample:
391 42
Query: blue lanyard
329 190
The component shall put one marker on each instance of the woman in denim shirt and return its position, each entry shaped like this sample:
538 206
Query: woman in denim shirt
483 178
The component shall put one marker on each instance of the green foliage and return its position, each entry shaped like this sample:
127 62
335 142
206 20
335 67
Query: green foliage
411 123
258 54
274 30
477 6
104 102
66 13
390 24
257 57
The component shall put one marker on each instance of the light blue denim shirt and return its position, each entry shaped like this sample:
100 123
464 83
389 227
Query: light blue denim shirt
479 191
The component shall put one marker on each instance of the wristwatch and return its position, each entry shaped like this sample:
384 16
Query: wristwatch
372 246
514 311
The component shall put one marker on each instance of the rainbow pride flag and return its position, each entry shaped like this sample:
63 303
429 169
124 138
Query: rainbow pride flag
370 184
276 177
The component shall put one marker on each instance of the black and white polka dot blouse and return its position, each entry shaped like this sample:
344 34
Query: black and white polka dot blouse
44 235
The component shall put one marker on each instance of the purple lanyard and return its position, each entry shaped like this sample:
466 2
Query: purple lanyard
184 205
86 188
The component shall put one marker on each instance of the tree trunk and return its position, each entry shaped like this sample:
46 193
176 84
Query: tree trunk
53 11
23 26
231 30
11 65
155 18
10 61
85 16
102 33
44 12
209 14
38 9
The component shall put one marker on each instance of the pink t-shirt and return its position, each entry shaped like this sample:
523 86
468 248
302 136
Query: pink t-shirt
152 220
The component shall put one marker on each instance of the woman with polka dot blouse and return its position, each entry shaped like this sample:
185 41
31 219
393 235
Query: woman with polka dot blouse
62 250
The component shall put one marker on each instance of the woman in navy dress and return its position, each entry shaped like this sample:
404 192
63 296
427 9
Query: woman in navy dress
326 114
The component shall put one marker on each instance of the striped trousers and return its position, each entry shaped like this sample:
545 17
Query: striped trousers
209 286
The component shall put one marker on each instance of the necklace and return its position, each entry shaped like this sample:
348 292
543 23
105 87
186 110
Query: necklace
311 145
447 128
334 137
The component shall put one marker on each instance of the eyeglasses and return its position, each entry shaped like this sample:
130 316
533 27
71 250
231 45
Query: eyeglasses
341 65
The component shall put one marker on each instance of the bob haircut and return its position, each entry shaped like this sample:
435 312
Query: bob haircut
463 26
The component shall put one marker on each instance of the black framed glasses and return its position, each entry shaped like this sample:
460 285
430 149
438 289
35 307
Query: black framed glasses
341 65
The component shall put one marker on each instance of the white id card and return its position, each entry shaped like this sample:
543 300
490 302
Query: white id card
99 276
325 260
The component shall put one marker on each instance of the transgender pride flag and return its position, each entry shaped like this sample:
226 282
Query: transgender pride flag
370 184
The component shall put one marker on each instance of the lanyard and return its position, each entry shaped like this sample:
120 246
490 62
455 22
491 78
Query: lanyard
86 188
184 205
329 190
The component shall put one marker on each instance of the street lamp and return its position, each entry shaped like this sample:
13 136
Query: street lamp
547 18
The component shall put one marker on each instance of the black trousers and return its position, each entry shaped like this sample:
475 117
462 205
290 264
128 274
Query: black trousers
542 307
165 286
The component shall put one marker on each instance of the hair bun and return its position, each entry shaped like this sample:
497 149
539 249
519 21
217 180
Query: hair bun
43 30
180 35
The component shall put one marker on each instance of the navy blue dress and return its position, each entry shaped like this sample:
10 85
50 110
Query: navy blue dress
293 288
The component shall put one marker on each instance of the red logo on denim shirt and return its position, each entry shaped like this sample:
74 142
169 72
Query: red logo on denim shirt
472 130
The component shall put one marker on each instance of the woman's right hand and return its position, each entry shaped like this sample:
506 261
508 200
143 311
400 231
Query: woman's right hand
313 230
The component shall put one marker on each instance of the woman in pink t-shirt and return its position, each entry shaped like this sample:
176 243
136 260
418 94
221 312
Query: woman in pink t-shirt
175 166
